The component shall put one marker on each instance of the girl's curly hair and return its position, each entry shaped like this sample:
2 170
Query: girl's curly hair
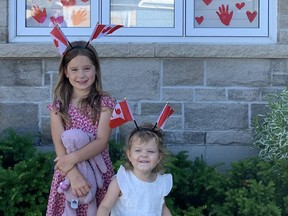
145 133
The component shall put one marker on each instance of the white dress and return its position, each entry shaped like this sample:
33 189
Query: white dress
139 197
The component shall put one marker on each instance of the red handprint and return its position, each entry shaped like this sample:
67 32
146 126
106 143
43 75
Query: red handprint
39 15
224 15
78 17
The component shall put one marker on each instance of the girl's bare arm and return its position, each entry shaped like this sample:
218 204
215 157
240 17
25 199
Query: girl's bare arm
110 199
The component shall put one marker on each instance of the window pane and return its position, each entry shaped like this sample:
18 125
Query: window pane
66 13
230 18
226 13
143 13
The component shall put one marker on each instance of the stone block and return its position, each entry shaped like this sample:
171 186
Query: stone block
143 50
257 109
126 78
20 72
155 109
283 37
24 94
280 80
52 64
3 35
279 65
183 72
216 116
46 137
112 50
238 72
44 110
177 94
282 7
210 94
4 13
184 137
193 151
267 92
244 94
23 117
223 155
243 137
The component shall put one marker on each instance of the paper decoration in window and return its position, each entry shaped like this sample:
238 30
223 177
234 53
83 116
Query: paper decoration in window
226 13
65 13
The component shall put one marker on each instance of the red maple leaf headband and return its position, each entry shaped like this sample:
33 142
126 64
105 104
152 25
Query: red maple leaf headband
61 42
122 114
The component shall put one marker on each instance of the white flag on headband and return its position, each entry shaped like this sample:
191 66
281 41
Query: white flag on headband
59 39
166 112
104 30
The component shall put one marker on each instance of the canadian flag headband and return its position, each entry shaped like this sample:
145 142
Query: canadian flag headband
61 42
122 114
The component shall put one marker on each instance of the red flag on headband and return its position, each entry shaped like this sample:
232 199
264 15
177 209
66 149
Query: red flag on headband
166 112
103 30
121 114
59 39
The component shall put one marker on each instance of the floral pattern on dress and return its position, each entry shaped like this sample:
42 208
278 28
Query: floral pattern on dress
56 201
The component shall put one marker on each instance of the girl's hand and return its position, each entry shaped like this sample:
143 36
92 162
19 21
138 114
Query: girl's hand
64 163
79 185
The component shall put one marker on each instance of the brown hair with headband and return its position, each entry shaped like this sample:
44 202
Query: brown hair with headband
63 88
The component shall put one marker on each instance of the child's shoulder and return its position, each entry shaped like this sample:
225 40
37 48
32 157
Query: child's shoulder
108 101
166 180
54 106
166 177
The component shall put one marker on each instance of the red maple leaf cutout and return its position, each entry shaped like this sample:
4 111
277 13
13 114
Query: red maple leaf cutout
107 29
118 111
56 43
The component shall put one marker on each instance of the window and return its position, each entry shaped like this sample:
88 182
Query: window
199 21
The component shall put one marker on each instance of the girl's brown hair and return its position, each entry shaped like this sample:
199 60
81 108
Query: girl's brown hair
63 89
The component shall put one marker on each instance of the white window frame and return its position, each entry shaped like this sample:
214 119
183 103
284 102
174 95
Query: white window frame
267 33
19 33
148 32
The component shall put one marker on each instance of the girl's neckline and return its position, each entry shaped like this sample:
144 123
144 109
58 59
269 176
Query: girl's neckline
144 181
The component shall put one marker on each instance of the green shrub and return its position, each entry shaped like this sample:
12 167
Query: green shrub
15 148
251 187
255 198
195 184
271 128
25 176
251 190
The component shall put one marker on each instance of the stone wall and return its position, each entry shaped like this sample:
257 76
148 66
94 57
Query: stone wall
216 90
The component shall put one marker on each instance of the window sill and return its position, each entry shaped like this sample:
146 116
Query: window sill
152 50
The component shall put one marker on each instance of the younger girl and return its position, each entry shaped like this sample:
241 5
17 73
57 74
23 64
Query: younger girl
140 187
79 102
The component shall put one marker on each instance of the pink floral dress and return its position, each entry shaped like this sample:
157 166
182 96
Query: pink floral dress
56 201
